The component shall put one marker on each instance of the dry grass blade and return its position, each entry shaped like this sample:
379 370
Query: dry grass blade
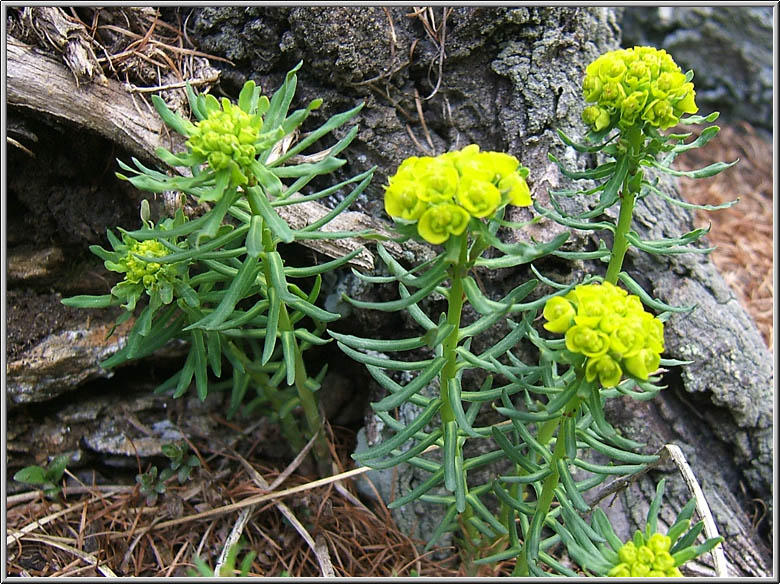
87 557
321 554
710 530
233 537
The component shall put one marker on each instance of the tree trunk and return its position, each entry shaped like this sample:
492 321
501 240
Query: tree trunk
432 80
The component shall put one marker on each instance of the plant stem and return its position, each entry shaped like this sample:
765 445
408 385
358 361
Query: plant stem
551 482
308 400
620 246
634 142
448 372
454 311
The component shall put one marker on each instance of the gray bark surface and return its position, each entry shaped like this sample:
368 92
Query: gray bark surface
508 78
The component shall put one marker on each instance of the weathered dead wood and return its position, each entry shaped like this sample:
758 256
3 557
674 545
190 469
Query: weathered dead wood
40 83
55 29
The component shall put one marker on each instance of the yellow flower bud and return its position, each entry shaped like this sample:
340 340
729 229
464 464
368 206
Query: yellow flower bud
659 542
663 561
627 553
517 189
438 222
622 570
480 198
588 341
606 369
402 200
559 313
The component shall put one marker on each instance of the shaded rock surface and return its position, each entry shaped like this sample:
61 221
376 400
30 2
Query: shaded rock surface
502 78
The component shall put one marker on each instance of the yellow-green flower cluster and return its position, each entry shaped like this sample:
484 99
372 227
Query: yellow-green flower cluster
227 135
611 328
650 560
143 272
636 86
441 194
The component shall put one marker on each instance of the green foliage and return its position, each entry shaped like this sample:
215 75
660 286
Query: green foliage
228 569
47 477
219 282
150 485
551 416
181 465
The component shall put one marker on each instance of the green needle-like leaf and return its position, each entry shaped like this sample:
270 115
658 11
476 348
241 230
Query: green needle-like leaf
385 447
399 397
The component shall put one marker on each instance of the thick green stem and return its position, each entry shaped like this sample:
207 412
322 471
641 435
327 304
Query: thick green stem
620 246
454 311
450 369
308 400
634 142
544 501
309 403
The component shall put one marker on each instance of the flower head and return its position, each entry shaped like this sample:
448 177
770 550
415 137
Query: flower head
226 138
610 328
135 259
443 193
642 85
651 559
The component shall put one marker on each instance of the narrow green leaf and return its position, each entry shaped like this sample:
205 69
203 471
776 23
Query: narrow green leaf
398 439
483 512
378 344
707 171
274 310
688 539
601 171
244 279
247 98
192 98
610 469
516 504
254 238
86 301
185 377
323 268
399 457
570 488
332 123
611 190
448 456
384 362
199 364
581 147
652 512
616 453
337 210
275 223
289 350
280 101
648 300
171 119
605 527
444 525
394 305
214 352
418 383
